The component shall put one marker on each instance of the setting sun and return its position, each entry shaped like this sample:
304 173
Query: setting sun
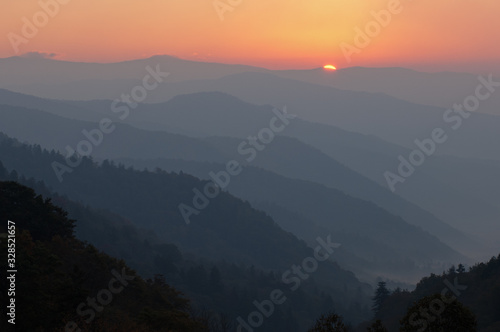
329 67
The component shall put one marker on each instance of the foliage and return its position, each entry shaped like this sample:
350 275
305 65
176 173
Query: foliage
478 289
377 326
57 272
381 294
438 314
329 323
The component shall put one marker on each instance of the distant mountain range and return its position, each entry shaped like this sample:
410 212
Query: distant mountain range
76 81
378 108
196 116
309 199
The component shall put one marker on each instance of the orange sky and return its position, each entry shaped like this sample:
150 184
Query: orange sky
427 34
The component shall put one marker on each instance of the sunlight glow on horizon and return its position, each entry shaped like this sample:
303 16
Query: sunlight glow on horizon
303 35
330 67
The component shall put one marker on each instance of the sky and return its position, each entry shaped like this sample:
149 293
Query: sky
433 35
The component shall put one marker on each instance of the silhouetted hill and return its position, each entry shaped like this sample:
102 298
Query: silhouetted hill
58 274
478 289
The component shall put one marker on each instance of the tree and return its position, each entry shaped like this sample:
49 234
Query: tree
329 323
461 268
438 313
381 294
377 327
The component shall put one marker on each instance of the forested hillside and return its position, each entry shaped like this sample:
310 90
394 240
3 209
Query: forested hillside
477 288
226 282
59 277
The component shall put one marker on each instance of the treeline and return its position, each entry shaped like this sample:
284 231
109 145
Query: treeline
64 284
458 300
474 292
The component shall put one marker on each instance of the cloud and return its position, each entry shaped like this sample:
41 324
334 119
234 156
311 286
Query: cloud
39 55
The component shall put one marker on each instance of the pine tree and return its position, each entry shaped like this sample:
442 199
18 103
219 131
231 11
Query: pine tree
381 294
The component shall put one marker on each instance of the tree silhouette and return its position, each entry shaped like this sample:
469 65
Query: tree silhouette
329 323
438 313
381 294
377 327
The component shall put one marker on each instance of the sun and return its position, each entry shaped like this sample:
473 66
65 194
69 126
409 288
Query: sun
329 67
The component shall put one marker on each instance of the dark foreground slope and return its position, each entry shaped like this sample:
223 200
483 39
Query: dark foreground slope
57 274
478 289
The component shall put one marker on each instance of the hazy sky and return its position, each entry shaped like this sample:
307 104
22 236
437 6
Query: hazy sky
458 34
